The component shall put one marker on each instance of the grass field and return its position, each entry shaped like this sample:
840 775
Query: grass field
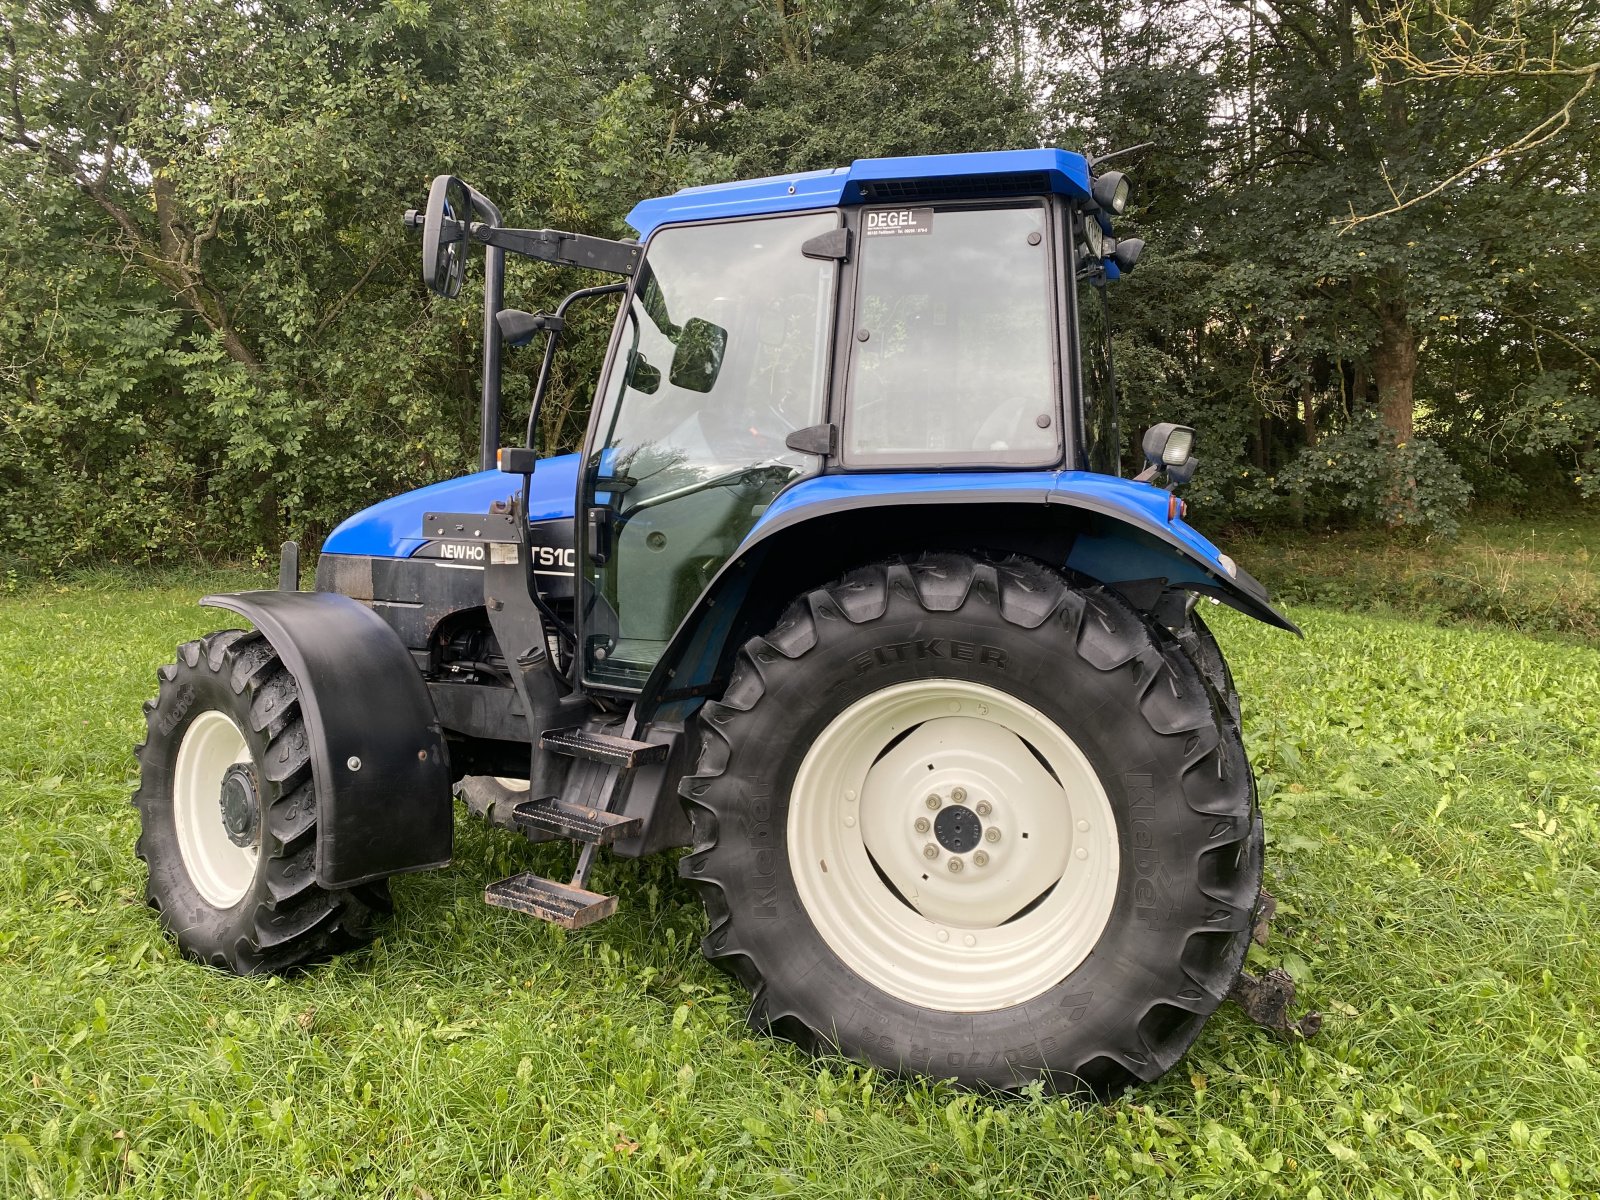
1534 575
1431 797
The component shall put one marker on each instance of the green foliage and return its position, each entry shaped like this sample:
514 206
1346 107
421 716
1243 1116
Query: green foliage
1430 800
1538 576
212 334
1358 473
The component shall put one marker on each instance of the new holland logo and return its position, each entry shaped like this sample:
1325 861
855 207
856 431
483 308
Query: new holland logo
462 551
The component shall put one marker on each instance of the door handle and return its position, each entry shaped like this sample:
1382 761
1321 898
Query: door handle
599 540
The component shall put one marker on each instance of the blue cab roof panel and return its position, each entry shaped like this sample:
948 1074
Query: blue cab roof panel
913 179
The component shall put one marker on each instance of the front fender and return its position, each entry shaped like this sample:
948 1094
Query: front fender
378 760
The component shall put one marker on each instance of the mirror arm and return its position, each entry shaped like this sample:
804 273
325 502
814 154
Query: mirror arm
545 364
494 289
562 248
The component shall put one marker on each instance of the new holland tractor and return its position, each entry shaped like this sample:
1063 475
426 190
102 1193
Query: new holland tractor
843 595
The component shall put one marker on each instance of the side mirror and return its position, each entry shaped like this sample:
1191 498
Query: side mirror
444 235
642 376
697 359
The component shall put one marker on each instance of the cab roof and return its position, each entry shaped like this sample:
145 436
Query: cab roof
918 178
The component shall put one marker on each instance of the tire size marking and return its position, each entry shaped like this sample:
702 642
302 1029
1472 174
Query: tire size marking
1152 884
755 823
922 649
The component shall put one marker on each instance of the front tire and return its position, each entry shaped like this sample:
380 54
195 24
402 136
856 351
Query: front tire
1075 904
228 815
494 798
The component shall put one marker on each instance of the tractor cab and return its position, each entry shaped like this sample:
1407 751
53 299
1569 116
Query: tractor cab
918 317
844 592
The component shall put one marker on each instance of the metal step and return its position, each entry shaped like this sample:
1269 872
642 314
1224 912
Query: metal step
549 900
551 817
601 747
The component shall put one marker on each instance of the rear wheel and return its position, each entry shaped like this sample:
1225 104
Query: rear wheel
968 820
227 811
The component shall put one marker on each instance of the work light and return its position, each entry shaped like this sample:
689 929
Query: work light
1110 192
1127 253
1168 445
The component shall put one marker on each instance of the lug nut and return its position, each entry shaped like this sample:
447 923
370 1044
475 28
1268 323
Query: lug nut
959 794
981 858
955 865
991 834
934 801
984 808
923 825
930 851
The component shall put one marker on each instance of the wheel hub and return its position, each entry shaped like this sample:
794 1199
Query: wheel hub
240 805
958 829
215 808
953 845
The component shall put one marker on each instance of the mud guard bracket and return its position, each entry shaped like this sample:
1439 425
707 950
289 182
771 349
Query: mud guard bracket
378 759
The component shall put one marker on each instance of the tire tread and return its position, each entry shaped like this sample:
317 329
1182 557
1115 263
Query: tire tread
1108 634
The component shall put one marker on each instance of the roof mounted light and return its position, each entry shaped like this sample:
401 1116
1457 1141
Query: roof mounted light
1127 253
1168 444
1169 447
1110 192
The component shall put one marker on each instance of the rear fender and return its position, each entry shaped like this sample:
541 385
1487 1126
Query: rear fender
378 760
1111 530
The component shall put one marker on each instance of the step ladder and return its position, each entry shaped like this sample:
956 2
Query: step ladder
603 765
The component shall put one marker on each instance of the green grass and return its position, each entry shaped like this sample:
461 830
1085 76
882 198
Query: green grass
1431 796
1539 576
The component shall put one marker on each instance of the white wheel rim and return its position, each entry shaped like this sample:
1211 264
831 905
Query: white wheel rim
971 943
220 871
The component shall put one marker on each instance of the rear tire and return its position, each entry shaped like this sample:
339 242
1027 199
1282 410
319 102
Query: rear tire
228 815
1143 852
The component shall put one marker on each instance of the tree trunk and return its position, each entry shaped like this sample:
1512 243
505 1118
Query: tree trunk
1394 370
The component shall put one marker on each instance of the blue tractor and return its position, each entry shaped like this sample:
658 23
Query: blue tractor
843 594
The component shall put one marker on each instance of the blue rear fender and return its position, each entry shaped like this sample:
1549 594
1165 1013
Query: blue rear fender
1112 530
1131 535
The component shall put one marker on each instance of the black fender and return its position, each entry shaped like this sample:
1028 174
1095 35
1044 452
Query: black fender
807 545
378 756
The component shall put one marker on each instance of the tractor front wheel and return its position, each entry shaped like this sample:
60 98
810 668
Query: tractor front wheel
228 814
494 798
969 820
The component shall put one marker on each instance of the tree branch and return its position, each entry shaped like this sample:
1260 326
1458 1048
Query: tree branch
349 294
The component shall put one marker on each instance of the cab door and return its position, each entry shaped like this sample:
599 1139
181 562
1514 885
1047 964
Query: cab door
721 354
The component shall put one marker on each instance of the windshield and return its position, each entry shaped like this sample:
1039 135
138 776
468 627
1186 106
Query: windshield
952 361
723 355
